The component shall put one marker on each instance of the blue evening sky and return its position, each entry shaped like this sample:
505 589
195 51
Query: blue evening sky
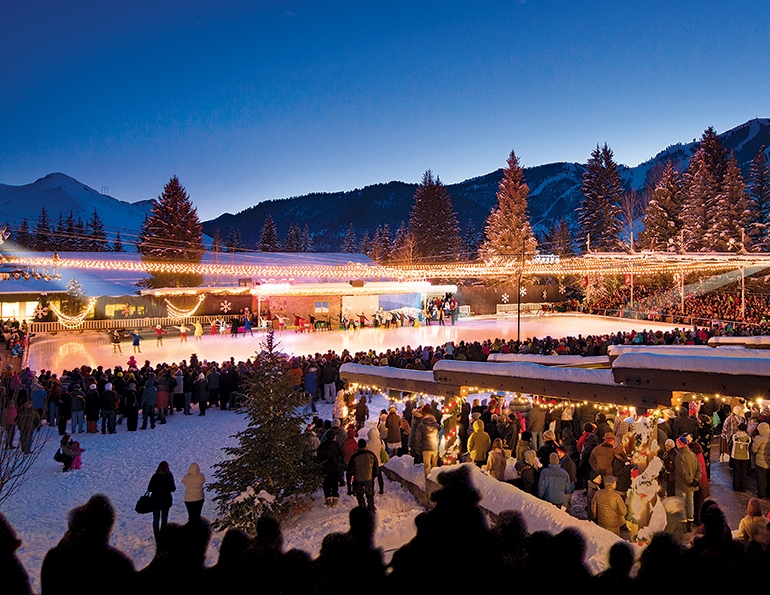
246 101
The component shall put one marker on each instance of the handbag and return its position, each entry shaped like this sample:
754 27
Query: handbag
144 504
58 456
384 455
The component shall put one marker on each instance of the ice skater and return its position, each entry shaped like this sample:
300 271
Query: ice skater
135 339
116 348
159 332
182 333
198 331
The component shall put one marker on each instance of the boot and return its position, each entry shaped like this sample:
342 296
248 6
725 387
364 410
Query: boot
328 502
334 502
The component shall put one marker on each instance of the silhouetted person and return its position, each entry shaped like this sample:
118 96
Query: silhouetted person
621 559
365 561
228 575
265 556
87 542
658 558
511 536
13 577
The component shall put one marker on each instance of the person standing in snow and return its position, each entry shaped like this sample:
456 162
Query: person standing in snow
363 469
193 495
160 487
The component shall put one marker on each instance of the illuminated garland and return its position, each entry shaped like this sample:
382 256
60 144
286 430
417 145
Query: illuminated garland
73 322
175 312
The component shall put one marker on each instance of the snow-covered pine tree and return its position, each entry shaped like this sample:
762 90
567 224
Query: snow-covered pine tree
172 233
306 240
365 244
43 232
433 223
508 231
68 242
557 239
57 237
216 243
269 469
269 240
234 241
598 214
117 245
349 245
23 236
727 227
379 251
662 218
79 236
293 238
402 249
758 195
97 241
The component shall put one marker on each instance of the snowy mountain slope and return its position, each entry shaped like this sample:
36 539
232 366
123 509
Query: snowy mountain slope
59 193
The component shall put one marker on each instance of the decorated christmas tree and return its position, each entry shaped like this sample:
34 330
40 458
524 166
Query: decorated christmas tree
270 470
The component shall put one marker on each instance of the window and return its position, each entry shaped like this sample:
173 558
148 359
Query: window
321 307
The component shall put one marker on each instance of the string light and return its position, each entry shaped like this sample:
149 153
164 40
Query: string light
73 322
175 312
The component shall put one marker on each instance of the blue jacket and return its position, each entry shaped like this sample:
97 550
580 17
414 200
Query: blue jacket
554 485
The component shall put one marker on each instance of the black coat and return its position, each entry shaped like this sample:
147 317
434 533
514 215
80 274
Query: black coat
161 486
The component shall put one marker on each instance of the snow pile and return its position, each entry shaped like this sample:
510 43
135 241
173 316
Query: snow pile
387 372
755 365
526 370
549 360
498 496
404 467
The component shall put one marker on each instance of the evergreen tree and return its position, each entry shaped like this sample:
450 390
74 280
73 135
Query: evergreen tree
270 468
402 249
98 237
758 195
293 238
68 243
470 242
173 233
23 236
269 241
365 244
216 242
306 240
234 241
57 239
117 245
727 228
599 213
349 244
379 250
662 218
433 223
558 239
43 232
508 231
79 237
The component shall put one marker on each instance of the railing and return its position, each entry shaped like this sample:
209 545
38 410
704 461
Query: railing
128 323
660 317
513 308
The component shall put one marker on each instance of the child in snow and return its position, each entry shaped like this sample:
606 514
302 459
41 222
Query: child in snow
77 461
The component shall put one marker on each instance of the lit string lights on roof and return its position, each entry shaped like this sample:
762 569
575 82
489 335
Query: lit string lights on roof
175 312
73 322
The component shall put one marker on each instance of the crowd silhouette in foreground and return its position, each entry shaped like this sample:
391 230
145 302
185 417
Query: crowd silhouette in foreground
454 548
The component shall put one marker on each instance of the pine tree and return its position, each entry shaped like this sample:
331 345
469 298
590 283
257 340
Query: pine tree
403 247
433 223
117 245
726 230
470 242
173 233
558 239
508 231
365 244
379 250
598 214
23 236
270 468
758 195
662 218
68 243
43 232
349 242
306 240
293 238
234 241
269 241
216 242
98 237
57 239
79 237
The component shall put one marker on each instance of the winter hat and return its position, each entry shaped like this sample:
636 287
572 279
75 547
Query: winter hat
427 409
92 387
530 457
684 439
550 435
607 436
131 386
108 386
201 376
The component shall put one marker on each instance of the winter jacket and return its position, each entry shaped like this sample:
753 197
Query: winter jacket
363 465
478 442
536 420
553 485
496 463
427 434
150 394
77 400
109 400
349 446
193 482
93 405
374 444
686 469
393 423
740 446
761 446
329 455
601 458
161 485
609 510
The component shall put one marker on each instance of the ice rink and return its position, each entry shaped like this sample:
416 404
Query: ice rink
67 350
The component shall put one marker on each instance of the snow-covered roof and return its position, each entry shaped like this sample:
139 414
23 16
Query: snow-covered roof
527 370
549 360
756 363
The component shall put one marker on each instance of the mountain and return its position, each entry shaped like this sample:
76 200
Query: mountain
59 193
554 193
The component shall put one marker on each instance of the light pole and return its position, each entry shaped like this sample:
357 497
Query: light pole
518 294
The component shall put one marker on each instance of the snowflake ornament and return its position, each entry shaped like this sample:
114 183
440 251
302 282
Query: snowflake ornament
504 298
41 311
4 234
562 289
545 295
127 310
225 306
523 291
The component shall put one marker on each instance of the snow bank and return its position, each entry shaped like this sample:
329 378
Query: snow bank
691 350
498 496
761 341
387 372
527 370
733 365
549 360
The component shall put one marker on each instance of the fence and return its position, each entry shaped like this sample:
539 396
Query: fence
513 308
128 323
659 317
